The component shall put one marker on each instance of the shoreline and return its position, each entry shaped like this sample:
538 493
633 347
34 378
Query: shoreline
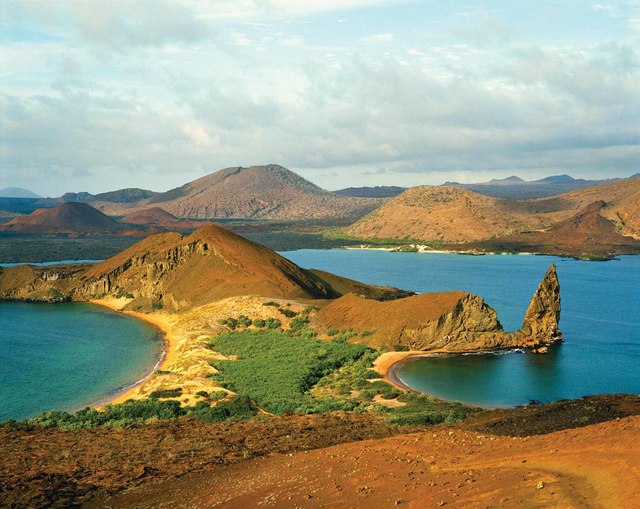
388 364
168 355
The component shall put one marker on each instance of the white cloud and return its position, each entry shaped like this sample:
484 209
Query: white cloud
170 101
376 38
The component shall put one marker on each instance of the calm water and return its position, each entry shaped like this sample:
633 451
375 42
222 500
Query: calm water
66 356
600 320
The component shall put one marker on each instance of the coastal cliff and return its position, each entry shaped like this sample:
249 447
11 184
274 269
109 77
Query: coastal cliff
449 321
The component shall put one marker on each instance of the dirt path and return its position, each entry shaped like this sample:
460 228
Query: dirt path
591 467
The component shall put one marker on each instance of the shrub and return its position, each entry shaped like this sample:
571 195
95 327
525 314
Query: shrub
273 323
156 305
287 312
367 333
166 393
259 323
202 394
299 323
237 409
217 395
332 332
244 321
271 303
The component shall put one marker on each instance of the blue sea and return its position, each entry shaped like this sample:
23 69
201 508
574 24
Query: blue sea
67 356
600 320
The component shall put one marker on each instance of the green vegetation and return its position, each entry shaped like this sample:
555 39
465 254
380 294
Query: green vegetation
332 332
134 413
156 305
277 370
286 374
288 313
337 234
166 393
272 323
408 248
421 409
271 303
244 321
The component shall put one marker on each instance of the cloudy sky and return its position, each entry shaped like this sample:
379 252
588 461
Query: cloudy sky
100 95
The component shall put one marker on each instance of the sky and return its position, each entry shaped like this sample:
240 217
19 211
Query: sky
101 95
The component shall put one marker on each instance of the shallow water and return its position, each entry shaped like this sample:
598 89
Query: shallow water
66 356
600 320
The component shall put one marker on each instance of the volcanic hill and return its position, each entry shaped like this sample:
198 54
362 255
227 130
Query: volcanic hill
454 215
151 216
68 218
442 213
265 192
587 233
256 192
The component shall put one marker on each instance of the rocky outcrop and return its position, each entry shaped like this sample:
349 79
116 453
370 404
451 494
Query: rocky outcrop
38 284
448 321
540 323
453 321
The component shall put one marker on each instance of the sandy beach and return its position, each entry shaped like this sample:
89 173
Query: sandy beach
388 363
161 322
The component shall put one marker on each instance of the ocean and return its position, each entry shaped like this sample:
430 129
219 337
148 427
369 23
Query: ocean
600 320
68 356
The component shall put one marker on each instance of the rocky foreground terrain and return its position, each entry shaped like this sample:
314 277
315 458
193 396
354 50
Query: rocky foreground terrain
555 455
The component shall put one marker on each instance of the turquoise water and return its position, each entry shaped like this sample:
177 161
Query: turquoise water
66 356
600 321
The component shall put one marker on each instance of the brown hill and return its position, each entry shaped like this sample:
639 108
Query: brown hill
444 213
70 218
266 192
212 263
151 216
585 234
455 215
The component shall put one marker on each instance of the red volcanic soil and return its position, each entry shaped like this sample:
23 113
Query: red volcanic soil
596 466
491 460
70 217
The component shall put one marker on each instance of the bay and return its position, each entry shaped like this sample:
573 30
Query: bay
67 356
600 320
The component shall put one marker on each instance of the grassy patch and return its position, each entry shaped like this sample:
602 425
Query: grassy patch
277 370
134 413
138 412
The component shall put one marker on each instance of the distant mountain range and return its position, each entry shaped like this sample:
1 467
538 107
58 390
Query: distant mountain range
77 218
256 192
17 192
515 188
371 192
